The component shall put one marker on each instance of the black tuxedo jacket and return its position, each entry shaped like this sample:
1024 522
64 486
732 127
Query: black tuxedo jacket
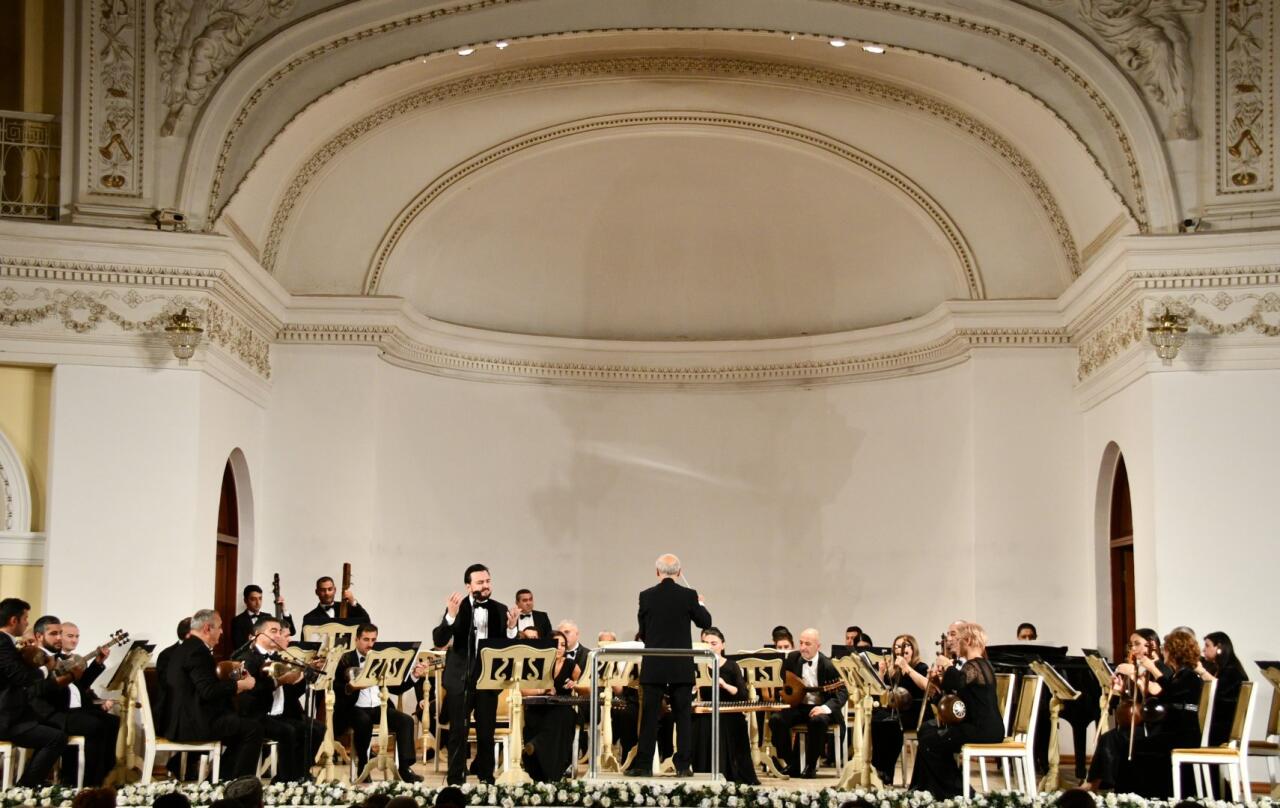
49 698
256 703
318 616
346 702
194 696
834 699
579 658
16 680
462 663
159 709
665 613
542 623
242 626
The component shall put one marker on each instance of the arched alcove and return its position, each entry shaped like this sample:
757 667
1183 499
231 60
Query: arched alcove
234 546
1116 569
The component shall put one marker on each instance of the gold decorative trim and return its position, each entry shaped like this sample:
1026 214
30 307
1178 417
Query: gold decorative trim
970 275
1110 340
402 349
1059 65
703 67
115 114
1245 50
1255 321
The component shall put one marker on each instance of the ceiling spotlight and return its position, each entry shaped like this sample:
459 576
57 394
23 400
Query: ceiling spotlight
501 44
466 51
873 48
838 43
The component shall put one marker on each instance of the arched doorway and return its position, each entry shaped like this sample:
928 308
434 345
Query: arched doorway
228 559
1120 540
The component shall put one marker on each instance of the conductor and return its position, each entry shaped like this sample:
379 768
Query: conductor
665 613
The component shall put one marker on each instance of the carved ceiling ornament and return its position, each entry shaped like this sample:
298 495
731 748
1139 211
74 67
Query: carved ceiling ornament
1150 40
197 40
1137 206
970 276
115 125
710 68
15 490
1246 96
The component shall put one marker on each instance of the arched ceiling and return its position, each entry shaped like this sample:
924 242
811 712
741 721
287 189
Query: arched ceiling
727 184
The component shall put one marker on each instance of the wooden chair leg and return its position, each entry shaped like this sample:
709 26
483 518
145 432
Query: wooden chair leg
1177 780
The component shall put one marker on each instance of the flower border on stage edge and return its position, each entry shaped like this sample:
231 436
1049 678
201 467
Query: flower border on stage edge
589 794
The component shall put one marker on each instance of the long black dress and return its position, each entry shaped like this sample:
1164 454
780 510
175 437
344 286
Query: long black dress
549 727
1225 699
735 744
1149 772
936 770
887 726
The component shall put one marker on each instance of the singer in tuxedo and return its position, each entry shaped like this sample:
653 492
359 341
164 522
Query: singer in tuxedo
468 619
666 610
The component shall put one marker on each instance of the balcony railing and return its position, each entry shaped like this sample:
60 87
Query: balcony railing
30 148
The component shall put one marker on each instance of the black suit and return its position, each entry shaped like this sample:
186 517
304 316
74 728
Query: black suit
362 720
297 737
52 704
540 621
833 700
320 615
242 626
160 709
665 613
461 669
200 709
18 722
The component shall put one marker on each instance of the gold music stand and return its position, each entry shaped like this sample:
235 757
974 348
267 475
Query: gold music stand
1061 691
762 674
384 667
1103 673
330 750
510 668
865 686
331 636
616 672
126 681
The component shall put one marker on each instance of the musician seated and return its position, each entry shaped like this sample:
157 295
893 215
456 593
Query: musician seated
1161 714
824 696
19 724
851 635
606 636
328 609
961 671
530 617
199 702
1027 632
549 725
63 703
245 623
275 702
907 678
360 708
736 763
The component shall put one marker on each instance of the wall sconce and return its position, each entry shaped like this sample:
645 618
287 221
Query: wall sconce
183 335
1168 335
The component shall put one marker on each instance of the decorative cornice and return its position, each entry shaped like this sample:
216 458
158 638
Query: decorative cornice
971 278
710 68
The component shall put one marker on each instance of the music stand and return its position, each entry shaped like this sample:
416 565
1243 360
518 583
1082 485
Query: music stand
387 665
762 671
1103 673
323 687
331 636
1061 691
863 679
126 681
619 672
510 665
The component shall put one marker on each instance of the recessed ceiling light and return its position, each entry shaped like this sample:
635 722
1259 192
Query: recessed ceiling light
466 51
501 44
838 43
873 48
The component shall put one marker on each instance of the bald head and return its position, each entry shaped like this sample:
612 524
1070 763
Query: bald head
810 643
668 566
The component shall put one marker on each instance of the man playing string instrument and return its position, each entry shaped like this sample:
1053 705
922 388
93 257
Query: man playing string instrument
825 695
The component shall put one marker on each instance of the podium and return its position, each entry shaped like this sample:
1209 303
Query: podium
126 681
506 665
862 678
762 672
1060 691
384 667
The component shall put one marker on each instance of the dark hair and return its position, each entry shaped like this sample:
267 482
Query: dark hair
376 801
714 632
474 568
402 802
1226 659
95 798
864 640
365 628
1074 798
173 799
781 632
1034 634
561 635
1150 635
184 628
854 629
43 623
451 797
11 608
263 619
520 592
322 579
249 590
224 803
245 792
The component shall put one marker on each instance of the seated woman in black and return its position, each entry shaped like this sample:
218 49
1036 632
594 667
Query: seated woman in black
1220 662
968 675
735 745
1170 720
905 671
1144 661
548 728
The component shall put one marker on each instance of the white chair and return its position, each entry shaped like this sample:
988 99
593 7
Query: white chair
1019 747
1233 756
76 741
909 743
153 743
270 763
1004 697
801 732
1269 748
6 765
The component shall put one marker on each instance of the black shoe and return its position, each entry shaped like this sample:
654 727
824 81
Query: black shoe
409 777
685 772
810 773
782 767
636 771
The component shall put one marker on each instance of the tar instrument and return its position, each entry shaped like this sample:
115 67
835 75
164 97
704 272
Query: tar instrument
275 596
342 593
231 670
794 689
951 708
75 665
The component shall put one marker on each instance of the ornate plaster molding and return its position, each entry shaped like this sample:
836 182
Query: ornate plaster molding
115 111
971 277
1246 78
15 490
709 68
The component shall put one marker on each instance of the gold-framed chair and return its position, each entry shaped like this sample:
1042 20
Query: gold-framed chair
153 743
6 765
1004 697
800 734
1269 748
1019 747
1233 756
